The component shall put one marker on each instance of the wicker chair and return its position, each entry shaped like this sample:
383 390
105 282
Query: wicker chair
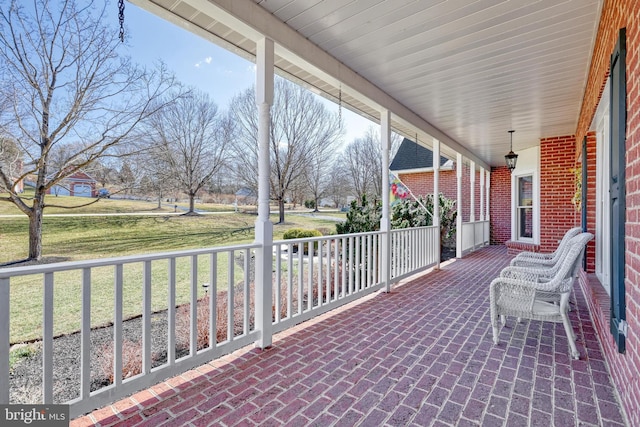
532 259
536 294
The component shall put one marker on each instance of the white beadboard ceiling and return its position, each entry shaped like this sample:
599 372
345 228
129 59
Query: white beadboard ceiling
462 71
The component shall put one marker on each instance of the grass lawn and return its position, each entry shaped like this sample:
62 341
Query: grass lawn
71 238
104 205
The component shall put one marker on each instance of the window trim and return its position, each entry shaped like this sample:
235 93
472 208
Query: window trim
535 239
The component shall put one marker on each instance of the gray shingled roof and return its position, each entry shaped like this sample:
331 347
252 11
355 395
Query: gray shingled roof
413 156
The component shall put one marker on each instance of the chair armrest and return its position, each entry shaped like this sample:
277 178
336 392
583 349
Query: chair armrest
532 262
535 255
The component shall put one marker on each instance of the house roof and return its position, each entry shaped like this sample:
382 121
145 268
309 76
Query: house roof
413 156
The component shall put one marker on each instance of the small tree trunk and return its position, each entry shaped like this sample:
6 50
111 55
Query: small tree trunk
192 204
281 210
35 233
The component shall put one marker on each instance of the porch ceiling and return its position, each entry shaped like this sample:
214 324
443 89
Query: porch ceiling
462 71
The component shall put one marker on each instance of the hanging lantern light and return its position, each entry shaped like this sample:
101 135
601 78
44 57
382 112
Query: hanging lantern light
512 158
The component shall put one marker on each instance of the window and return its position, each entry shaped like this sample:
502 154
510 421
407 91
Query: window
603 215
524 208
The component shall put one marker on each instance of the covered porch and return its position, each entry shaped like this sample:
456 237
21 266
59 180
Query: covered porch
419 355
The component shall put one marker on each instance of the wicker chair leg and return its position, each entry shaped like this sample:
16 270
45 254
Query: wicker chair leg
570 336
496 332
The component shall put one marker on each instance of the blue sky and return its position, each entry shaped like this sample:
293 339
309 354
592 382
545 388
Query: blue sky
200 63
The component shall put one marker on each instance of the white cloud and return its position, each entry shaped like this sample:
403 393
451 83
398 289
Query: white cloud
207 60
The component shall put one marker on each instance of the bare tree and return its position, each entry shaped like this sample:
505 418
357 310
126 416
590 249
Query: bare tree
301 127
317 174
67 85
191 140
339 187
362 160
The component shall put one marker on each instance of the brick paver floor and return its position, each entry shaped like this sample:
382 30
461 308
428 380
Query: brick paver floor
420 355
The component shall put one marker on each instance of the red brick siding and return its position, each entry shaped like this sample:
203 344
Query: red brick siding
421 183
557 213
618 14
500 206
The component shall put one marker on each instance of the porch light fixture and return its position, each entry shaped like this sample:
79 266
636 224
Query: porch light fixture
511 158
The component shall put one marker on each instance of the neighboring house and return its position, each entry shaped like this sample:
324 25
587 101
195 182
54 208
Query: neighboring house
413 165
78 184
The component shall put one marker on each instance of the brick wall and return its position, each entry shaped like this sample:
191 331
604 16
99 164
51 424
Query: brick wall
500 207
421 183
624 368
557 213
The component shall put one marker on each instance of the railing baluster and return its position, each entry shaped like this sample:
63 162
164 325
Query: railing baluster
193 309
358 263
300 276
146 317
336 270
369 259
171 313
352 254
213 303
247 278
231 297
117 324
310 276
290 280
5 339
320 271
47 340
328 272
278 283
374 275
343 264
85 331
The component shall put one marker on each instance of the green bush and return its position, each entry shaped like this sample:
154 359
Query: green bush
301 233
363 216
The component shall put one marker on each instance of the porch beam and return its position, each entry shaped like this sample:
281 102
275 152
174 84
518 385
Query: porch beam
263 226
385 221
253 22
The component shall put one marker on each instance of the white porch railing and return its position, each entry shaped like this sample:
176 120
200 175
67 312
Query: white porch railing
475 235
412 250
165 294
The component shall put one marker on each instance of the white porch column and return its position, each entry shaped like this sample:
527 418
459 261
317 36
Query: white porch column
487 176
436 197
264 227
459 205
472 198
385 221
487 217
481 194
